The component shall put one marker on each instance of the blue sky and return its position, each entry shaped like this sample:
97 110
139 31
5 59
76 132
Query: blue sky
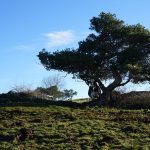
27 26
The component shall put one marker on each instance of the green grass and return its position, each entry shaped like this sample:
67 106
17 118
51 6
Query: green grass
81 100
57 127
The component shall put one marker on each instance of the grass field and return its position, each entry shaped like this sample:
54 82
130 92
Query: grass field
53 127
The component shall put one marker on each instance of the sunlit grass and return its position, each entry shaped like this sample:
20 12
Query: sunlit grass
58 127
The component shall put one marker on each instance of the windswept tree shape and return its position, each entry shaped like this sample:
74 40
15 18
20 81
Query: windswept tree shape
114 51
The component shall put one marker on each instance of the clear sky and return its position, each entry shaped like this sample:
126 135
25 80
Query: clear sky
27 26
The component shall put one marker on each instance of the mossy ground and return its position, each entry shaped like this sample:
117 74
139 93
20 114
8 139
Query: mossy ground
58 127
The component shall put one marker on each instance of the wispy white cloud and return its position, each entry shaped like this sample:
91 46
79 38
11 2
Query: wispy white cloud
51 40
60 38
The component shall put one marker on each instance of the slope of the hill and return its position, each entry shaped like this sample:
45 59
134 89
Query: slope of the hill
57 127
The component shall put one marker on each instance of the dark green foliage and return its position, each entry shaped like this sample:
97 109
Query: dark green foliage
16 96
114 50
55 93
51 91
132 100
68 94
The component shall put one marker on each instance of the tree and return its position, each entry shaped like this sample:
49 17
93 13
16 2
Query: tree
55 80
52 91
68 94
115 51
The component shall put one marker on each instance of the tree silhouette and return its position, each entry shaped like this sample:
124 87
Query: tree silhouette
114 51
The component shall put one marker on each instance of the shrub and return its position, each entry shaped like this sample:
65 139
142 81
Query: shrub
132 100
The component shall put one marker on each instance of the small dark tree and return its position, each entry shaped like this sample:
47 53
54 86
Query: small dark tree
114 50
68 94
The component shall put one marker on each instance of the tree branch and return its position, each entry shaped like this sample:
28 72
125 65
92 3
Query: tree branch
101 84
122 84
116 82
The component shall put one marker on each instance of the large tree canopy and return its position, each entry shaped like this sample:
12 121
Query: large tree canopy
114 50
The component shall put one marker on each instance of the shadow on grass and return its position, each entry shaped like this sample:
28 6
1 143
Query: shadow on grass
39 103
132 100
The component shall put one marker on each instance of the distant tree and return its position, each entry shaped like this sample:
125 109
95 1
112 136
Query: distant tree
55 93
51 87
55 80
68 94
52 93
115 51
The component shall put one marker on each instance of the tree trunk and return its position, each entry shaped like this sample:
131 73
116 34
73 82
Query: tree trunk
106 96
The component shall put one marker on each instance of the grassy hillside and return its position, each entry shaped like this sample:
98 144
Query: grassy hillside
57 127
